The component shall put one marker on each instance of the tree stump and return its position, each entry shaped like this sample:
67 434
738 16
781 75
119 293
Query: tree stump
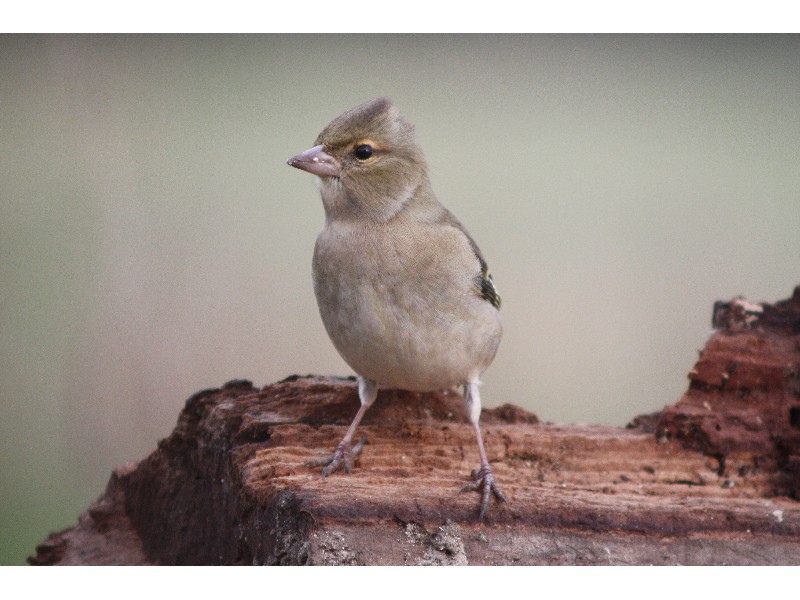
713 479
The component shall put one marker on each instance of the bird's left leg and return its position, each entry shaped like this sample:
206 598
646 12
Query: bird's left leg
345 452
484 480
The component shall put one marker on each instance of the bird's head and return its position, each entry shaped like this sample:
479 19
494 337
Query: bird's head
368 162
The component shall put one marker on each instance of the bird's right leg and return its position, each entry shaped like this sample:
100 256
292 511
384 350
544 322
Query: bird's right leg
483 478
345 452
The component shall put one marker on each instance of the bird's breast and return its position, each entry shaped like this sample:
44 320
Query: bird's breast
400 310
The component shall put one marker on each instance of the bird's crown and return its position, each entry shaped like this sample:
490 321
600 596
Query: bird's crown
376 121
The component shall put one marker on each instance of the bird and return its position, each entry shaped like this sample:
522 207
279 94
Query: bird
403 290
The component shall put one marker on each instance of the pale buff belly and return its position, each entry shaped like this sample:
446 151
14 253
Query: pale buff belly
409 339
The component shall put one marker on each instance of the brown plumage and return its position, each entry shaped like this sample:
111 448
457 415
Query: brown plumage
403 290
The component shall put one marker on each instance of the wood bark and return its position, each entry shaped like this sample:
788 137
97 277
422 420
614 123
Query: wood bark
713 479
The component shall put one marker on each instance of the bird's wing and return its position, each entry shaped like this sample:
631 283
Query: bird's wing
483 280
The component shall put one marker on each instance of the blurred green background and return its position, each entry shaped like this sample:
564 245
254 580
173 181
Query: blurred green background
155 243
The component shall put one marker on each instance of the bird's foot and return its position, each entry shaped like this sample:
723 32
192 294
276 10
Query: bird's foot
485 483
342 456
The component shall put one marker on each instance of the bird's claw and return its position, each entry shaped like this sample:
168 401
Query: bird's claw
485 483
344 455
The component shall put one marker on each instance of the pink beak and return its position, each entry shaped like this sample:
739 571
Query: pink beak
316 161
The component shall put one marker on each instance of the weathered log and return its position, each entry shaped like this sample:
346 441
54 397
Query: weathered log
711 480
743 399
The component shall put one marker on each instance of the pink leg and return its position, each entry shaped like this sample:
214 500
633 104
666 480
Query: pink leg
345 452
483 478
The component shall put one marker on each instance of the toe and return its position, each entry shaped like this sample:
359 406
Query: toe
484 483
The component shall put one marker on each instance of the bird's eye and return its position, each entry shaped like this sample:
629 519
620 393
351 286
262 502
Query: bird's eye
363 152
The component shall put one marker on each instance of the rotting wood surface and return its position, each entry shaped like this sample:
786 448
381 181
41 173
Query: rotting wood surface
710 480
